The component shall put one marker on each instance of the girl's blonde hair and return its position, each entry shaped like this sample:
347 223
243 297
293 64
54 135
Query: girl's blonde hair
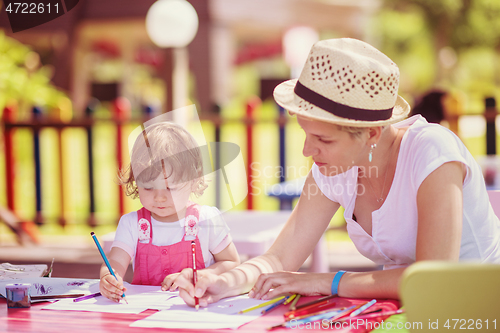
164 146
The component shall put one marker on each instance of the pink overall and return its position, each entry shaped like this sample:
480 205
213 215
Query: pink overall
153 263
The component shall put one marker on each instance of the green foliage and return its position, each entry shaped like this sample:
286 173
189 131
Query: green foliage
463 23
406 39
414 32
480 26
18 83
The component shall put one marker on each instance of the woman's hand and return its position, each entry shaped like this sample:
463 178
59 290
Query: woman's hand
281 283
112 288
209 287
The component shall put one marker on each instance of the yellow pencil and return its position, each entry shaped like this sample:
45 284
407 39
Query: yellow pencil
274 300
294 303
290 299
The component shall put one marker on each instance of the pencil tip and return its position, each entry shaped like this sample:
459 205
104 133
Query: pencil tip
125 299
274 327
197 306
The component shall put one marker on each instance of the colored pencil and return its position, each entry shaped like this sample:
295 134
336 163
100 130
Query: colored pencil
373 315
311 313
323 310
195 275
86 297
316 317
103 255
310 307
275 305
289 299
272 301
293 306
316 301
363 308
344 313
42 297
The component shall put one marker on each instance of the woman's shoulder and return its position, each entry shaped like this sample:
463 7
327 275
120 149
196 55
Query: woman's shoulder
423 135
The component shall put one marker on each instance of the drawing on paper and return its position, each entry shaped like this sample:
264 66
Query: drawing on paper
76 283
42 290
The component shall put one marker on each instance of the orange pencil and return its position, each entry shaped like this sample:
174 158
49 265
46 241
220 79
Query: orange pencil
306 312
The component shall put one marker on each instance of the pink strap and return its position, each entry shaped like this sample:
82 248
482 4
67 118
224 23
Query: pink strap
191 220
144 225
190 225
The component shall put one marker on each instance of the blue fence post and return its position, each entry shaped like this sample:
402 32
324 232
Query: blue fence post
37 114
89 111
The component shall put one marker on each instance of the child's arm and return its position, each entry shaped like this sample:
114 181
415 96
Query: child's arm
225 260
109 286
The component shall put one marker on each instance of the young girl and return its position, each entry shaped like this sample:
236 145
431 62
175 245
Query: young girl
166 167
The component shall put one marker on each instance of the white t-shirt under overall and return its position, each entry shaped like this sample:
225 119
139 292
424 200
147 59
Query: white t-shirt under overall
213 233
423 149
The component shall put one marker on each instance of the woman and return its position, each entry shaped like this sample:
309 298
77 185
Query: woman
410 189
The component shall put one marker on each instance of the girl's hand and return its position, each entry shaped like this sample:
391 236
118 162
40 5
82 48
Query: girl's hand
209 288
281 283
169 282
111 288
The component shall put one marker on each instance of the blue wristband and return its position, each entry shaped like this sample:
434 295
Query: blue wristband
336 281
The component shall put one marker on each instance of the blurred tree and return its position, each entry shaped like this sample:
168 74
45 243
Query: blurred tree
23 78
453 42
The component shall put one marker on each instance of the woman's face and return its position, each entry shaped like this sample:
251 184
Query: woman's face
333 150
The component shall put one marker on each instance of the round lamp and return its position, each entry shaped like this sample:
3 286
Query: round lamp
171 23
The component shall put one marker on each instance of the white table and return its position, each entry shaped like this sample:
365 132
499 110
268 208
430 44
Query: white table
254 232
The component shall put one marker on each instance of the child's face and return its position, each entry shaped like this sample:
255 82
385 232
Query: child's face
164 201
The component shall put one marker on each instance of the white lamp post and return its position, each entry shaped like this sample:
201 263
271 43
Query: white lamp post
172 24
297 43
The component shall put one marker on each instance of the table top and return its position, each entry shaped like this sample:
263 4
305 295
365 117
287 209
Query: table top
35 319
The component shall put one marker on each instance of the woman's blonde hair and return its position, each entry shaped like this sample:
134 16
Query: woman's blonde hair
356 132
163 147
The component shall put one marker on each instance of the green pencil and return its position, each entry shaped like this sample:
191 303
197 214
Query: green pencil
293 306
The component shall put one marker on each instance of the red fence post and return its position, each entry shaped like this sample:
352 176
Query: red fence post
252 104
122 113
9 115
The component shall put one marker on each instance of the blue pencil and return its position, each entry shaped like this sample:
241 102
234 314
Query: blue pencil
363 308
103 255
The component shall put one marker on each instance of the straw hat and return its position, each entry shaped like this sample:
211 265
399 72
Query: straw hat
347 82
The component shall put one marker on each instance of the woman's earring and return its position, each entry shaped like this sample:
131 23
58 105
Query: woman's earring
370 154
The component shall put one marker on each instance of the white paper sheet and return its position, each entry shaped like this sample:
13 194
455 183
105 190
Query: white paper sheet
17 272
140 298
55 286
223 314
